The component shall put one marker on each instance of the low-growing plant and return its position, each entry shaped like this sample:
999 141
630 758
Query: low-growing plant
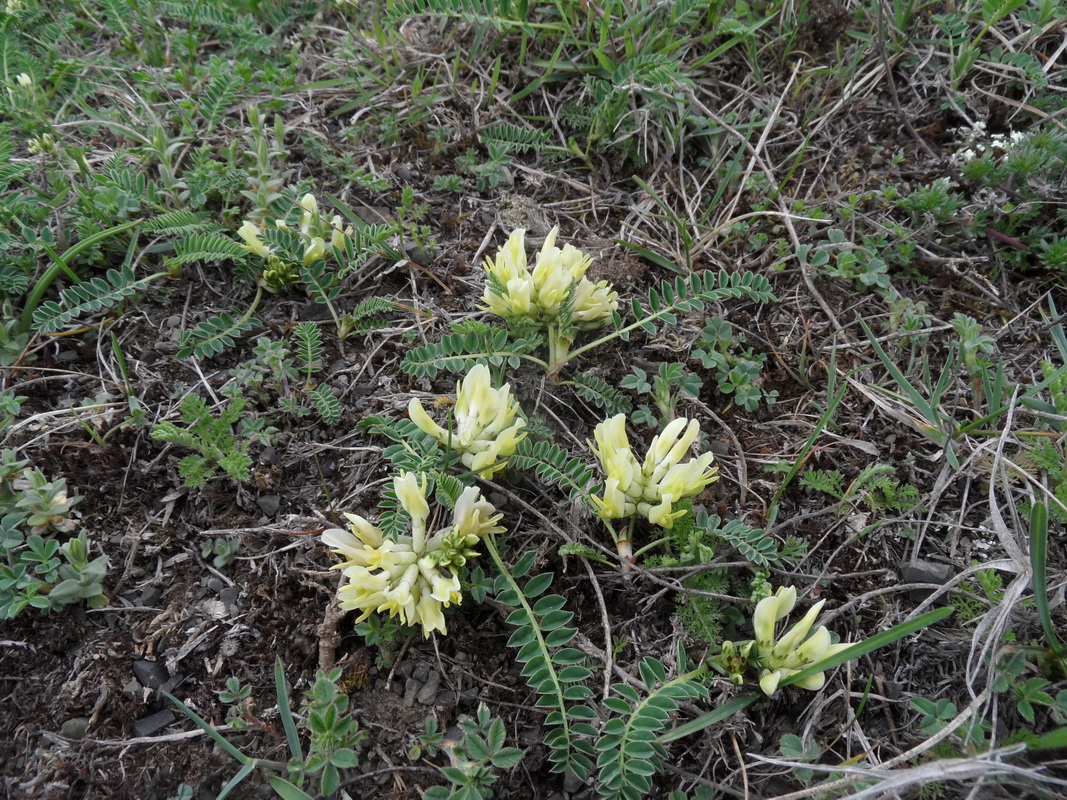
220 550
737 369
474 758
670 382
554 302
211 436
333 738
875 487
36 570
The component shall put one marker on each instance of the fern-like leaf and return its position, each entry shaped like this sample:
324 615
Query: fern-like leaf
219 95
513 137
628 751
372 307
601 394
685 294
326 404
320 282
214 335
552 463
552 669
308 350
180 223
89 296
365 241
752 543
206 247
367 316
412 449
459 352
501 15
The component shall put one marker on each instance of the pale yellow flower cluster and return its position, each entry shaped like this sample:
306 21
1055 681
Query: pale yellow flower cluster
314 231
650 488
413 578
487 427
795 649
516 291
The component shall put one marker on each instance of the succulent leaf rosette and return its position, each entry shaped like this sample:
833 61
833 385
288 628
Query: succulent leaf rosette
487 428
555 293
778 658
413 578
650 487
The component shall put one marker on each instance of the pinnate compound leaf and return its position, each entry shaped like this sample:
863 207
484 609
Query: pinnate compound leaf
87 297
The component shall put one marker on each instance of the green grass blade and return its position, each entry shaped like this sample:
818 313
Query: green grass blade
894 634
1039 565
210 731
655 258
286 790
724 711
288 723
233 782
1053 740
916 398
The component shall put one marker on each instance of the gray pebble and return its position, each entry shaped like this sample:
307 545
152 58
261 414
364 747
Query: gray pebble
75 728
269 504
151 674
229 596
153 723
925 572
151 595
411 688
428 693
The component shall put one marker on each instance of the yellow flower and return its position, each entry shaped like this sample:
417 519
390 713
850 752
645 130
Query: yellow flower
311 211
594 304
353 543
487 427
314 250
794 650
514 290
509 289
768 611
250 233
338 232
412 578
652 487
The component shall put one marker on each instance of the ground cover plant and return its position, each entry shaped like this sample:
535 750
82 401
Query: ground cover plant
473 398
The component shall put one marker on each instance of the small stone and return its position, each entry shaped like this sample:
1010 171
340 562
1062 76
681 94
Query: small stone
572 783
411 688
75 728
151 595
151 674
269 455
421 672
229 596
215 584
925 572
68 355
269 504
428 693
153 723
132 688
